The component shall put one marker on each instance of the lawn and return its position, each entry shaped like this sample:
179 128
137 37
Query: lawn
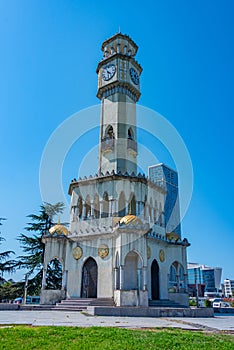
53 338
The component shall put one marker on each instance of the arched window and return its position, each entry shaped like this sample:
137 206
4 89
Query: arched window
176 278
132 205
80 206
96 207
130 134
181 279
155 212
117 274
132 271
105 212
54 274
122 205
109 133
145 207
87 207
172 279
150 210
160 215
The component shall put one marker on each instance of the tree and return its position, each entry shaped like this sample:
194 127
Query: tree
10 290
54 275
32 244
5 265
207 303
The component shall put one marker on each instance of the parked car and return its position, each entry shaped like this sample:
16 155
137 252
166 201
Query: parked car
33 300
221 304
18 300
29 300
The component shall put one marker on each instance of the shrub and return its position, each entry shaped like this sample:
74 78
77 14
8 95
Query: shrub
192 302
207 303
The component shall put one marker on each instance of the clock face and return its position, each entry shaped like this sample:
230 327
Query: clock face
108 72
134 76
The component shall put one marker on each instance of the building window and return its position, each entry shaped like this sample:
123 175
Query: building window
109 133
96 207
130 134
105 212
80 207
132 205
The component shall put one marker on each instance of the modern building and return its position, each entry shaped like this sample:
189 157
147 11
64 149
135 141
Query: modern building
204 279
228 288
119 245
166 177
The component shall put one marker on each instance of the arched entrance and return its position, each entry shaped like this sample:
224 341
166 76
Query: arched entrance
132 271
154 280
54 274
89 279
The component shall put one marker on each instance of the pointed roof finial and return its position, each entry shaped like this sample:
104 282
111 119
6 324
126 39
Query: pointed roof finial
119 29
58 229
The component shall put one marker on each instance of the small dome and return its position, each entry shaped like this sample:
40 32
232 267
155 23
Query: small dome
59 229
172 236
130 219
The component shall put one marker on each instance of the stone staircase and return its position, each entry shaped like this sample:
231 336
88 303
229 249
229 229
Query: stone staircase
81 304
165 303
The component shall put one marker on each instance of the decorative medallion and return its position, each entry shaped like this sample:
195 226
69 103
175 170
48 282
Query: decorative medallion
77 253
103 251
161 255
148 252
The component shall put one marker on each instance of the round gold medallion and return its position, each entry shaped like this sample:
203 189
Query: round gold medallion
103 251
77 253
161 255
148 252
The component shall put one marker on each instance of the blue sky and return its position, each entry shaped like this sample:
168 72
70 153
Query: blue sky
49 54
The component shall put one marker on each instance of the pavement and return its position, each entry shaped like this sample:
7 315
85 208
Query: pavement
218 323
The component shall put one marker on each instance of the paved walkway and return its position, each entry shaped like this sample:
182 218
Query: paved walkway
64 318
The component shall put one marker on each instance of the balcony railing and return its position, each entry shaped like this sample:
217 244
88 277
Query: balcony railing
108 144
132 145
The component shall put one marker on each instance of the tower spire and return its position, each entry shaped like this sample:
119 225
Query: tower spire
119 90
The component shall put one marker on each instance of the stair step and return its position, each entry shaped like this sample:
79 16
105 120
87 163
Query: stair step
57 308
83 303
164 303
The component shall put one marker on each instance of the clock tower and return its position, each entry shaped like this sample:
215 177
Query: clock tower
118 250
119 90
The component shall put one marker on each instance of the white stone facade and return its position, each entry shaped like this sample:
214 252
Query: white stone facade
117 245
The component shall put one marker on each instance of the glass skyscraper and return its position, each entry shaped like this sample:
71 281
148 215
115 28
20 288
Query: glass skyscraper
164 176
199 275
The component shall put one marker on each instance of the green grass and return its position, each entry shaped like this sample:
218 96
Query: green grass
53 338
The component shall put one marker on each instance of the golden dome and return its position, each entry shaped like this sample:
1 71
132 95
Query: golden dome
172 235
59 229
130 219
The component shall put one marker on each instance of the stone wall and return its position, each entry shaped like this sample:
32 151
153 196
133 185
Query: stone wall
51 297
130 298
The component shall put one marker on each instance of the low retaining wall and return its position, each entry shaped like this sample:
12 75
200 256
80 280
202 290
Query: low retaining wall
180 298
131 298
6 306
149 311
